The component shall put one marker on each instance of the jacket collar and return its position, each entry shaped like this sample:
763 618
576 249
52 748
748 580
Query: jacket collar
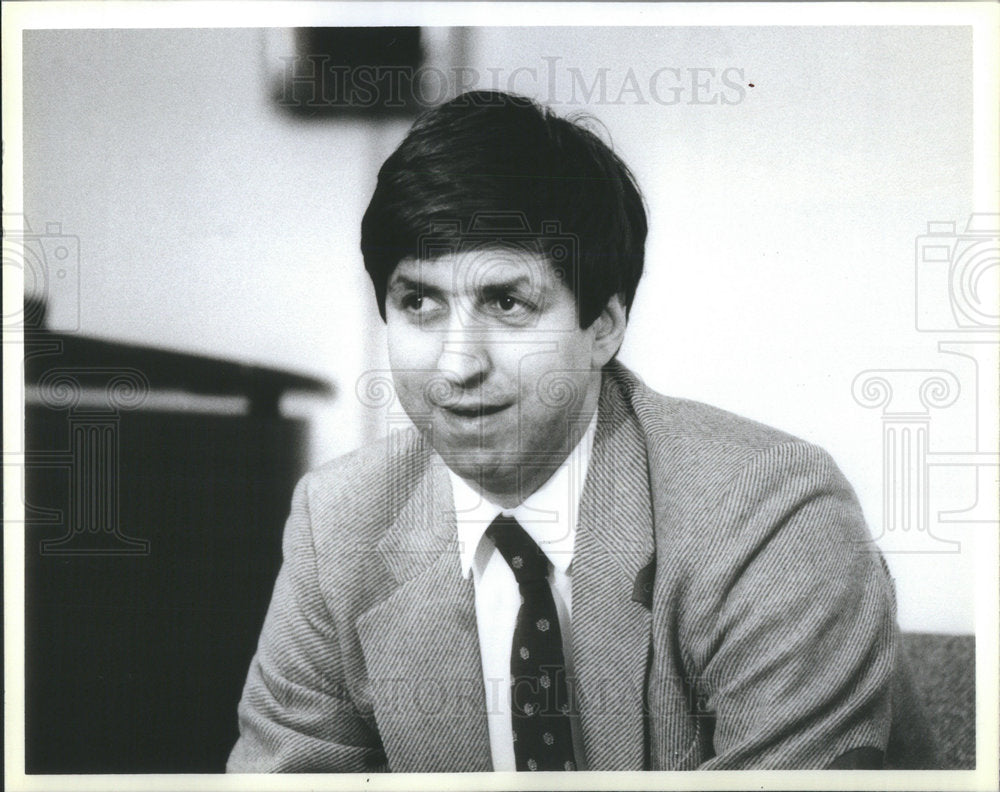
423 635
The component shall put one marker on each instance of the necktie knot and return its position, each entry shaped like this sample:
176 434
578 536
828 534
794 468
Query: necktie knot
525 558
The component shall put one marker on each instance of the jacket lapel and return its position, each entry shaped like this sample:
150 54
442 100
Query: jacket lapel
611 630
421 645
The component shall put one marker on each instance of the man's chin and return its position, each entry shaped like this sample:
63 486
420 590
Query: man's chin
469 462
490 469
478 442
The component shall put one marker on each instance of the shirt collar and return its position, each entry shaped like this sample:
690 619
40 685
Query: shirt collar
548 515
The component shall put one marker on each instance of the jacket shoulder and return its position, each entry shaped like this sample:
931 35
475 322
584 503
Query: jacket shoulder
705 463
358 495
694 435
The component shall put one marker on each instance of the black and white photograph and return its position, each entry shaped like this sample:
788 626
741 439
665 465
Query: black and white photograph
501 396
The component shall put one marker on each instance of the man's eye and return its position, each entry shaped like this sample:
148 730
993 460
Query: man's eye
509 305
415 302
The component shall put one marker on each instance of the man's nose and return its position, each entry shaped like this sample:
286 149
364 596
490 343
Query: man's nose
464 359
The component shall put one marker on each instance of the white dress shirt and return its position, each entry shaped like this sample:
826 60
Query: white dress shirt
549 516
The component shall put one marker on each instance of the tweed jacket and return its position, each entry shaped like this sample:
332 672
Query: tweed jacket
729 608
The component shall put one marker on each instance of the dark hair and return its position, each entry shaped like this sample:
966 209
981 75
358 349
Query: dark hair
473 164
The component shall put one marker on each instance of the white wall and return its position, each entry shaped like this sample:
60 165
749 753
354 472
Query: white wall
780 258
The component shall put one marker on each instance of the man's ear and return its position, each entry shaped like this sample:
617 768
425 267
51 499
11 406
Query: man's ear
609 331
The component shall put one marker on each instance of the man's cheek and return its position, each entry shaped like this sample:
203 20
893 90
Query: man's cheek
410 390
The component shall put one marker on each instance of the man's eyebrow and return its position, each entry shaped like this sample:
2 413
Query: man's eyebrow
412 284
515 283
499 286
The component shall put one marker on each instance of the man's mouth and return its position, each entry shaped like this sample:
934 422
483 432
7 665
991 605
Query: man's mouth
475 410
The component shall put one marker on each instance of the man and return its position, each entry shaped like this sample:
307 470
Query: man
558 568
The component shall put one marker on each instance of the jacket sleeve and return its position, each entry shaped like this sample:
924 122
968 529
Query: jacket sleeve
296 714
791 638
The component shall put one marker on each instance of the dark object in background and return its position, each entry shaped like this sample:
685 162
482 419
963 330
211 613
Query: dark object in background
152 540
944 675
366 71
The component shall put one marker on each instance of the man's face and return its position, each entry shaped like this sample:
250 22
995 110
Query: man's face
487 355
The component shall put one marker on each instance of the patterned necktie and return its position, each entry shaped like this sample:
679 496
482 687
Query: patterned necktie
539 702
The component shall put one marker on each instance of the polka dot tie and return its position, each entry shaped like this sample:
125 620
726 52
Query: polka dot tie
539 701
